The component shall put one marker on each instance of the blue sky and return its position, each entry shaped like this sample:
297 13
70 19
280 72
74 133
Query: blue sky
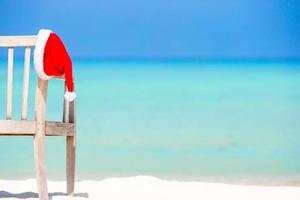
160 29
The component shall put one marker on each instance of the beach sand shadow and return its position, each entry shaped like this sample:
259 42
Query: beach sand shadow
27 195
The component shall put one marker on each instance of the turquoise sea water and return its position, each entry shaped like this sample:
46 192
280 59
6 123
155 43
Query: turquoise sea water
196 119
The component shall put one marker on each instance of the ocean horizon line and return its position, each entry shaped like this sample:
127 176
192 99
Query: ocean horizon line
178 59
175 62
192 60
186 59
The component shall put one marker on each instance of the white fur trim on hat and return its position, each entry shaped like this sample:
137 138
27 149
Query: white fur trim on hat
70 96
38 58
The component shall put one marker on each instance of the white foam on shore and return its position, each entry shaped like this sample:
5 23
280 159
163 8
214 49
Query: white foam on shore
148 188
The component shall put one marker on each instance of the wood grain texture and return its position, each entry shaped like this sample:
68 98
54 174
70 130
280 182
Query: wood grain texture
71 148
25 83
15 41
26 127
10 65
39 139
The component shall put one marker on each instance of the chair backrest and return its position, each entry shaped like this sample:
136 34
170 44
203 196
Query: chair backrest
12 42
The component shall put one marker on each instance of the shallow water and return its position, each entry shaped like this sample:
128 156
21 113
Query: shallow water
195 119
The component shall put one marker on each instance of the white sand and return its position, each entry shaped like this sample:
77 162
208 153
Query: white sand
149 188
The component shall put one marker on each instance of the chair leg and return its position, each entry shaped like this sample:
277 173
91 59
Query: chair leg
70 164
40 166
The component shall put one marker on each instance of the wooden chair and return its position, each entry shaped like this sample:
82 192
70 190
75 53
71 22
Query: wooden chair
39 127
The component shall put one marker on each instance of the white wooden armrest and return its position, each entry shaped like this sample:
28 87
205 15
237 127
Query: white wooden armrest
26 127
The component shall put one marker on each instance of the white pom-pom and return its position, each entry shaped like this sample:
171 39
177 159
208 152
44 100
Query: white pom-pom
70 96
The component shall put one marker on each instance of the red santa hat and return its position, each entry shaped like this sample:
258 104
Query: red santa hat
51 59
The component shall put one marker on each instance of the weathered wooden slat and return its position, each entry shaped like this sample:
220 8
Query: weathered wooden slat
39 139
25 83
10 65
66 109
12 127
25 127
71 149
59 129
15 41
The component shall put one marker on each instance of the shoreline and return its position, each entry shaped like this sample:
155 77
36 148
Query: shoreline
247 180
147 187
